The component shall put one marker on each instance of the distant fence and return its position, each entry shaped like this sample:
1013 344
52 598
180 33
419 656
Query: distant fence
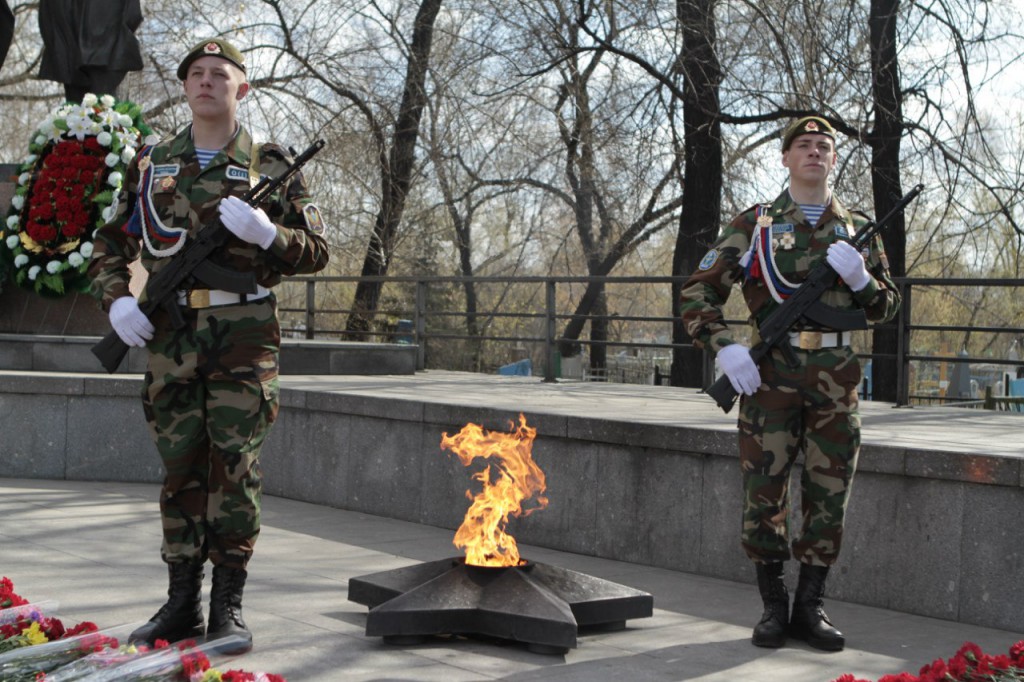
523 317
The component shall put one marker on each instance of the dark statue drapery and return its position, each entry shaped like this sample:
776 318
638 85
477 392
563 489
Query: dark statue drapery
89 45
6 30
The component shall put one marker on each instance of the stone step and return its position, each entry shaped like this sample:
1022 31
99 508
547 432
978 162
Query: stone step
59 353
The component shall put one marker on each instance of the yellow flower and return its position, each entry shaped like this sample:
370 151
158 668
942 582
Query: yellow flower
212 675
34 634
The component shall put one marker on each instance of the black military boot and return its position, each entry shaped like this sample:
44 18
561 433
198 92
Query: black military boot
771 631
809 621
226 610
182 616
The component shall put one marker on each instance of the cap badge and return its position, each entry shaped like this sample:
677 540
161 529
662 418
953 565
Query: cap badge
212 48
811 125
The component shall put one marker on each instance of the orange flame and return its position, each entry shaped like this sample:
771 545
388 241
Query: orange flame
516 478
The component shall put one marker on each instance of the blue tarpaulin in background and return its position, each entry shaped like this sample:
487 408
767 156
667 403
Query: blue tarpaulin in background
522 368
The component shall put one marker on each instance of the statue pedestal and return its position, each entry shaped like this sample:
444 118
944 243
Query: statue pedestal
24 312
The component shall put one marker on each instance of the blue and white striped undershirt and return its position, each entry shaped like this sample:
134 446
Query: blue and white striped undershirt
206 156
813 212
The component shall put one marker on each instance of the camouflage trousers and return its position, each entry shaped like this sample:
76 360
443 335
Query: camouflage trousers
811 409
210 396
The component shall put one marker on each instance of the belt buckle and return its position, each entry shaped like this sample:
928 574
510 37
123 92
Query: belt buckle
198 298
810 340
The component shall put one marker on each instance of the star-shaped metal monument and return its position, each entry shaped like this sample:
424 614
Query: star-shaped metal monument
540 605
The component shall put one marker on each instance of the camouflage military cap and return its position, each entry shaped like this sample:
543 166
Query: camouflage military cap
807 125
214 47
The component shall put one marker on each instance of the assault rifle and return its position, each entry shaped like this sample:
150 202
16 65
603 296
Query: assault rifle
806 303
190 266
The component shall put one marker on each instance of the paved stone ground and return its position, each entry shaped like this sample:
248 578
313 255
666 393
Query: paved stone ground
94 546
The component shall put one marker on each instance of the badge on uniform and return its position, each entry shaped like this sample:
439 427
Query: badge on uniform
841 231
783 236
314 220
167 184
237 173
165 170
709 259
143 164
764 220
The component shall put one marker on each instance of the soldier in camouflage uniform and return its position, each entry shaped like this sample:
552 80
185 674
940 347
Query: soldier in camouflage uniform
210 392
784 409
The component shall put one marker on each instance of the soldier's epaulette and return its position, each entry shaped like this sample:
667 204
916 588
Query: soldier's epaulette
749 216
860 216
277 150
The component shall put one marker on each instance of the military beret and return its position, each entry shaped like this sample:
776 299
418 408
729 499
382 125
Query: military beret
808 124
214 47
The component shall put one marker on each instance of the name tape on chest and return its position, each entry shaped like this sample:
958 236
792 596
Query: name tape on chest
166 170
237 173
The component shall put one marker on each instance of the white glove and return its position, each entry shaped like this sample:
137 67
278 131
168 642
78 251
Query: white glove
247 223
848 264
737 364
130 323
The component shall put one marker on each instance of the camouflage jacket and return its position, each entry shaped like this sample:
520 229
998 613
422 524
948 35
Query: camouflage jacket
166 197
797 247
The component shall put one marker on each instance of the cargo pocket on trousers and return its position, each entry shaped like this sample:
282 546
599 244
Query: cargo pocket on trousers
270 394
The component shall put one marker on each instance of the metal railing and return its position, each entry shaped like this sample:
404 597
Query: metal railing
422 311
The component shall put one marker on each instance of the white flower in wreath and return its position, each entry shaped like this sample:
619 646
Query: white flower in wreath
31 158
24 178
18 202
75 259
33 272
86 249
20 261
107 101
114 180
126 137
125 121
112 159
127 154
110 119
41 139
79 127
13 241
105 138
12 222
53 266
90 100
108 213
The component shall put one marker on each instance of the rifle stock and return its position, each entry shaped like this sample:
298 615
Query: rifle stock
162 288
775 329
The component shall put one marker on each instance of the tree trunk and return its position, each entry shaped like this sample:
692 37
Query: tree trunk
885 176
702 147
397 177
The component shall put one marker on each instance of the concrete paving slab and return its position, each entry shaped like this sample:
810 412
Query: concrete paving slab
94 547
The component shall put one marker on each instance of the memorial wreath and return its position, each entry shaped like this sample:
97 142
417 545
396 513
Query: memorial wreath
68 186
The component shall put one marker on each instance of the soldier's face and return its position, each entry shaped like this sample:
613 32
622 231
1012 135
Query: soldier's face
810 158
214 87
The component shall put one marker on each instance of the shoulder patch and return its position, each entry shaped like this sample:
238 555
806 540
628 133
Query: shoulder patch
314 220
710 258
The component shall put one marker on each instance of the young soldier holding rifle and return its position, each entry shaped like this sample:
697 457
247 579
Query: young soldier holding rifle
210 392
799 389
